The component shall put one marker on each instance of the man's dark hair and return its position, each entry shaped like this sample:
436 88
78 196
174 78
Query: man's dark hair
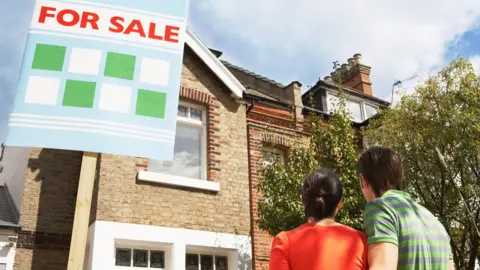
322 191
382 169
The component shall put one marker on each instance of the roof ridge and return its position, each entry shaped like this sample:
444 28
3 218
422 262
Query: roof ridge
256 75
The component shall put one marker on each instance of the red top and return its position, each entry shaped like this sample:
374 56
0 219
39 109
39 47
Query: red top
316 247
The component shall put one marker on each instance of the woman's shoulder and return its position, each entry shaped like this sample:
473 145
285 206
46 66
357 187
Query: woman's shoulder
351 230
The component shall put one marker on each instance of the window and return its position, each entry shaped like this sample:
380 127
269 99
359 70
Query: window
370 110
359 109
205 262
190 145
140 258
272 154
355 109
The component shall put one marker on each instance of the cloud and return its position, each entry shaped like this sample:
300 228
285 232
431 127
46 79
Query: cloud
475 60
288 41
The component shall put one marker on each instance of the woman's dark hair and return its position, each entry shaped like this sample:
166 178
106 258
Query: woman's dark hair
322 191
382 169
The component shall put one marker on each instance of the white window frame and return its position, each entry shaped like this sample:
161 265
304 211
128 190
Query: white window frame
132 245
362 102
175 180
199 251
197 123
273 150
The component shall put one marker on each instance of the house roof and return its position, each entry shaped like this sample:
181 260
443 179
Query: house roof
211 60
251 73
321 84
7 213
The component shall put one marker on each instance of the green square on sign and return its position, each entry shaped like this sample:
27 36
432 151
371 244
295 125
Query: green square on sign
151 103
120 66
79 94
49 57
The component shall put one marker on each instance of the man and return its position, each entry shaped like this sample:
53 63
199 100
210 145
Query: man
401 234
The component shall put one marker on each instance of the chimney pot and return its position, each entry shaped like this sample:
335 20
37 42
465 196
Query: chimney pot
358 58
328 79
345 67
351 62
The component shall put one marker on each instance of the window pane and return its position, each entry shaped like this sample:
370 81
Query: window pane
371 111
332 102
182 111
221 263
270 155
157 259
187 154
140 258
122 257
355 110
207 262
196 114
191 262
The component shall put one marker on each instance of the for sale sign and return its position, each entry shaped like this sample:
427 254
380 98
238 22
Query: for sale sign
101 76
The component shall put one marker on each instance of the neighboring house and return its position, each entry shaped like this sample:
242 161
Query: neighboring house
275 120
195 212
13 162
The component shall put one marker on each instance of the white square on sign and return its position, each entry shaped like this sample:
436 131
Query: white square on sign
42 90
85 61
115 98
154 71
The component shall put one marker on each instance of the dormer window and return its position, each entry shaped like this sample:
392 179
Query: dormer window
360 110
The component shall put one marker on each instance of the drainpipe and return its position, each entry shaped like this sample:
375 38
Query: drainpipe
249 107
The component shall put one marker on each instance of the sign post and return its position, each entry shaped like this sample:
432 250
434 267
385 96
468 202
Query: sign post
100 76
82 211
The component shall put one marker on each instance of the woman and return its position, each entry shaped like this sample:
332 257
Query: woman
322 243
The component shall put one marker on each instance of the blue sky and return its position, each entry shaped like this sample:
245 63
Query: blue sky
286 41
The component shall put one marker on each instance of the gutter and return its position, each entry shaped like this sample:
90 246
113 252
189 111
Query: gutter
274 103
13 226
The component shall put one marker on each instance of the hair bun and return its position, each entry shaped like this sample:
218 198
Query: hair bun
322 191
320 202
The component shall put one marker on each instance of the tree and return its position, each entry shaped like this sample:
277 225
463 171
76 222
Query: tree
332 145
436 130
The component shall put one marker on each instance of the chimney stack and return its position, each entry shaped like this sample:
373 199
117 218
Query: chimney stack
357 75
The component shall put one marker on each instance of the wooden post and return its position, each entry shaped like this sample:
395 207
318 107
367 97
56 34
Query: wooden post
82 211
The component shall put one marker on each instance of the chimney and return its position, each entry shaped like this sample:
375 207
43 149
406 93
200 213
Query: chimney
356 75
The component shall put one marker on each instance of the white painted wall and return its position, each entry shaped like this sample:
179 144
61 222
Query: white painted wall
14 162
105 236
7 253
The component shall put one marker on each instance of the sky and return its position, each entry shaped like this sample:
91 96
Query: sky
299 42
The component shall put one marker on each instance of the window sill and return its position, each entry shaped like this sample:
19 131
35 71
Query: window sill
178 181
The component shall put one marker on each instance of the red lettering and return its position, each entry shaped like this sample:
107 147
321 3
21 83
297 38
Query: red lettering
135 27
91 18
65 12
44 13
171 32
116 27
151 32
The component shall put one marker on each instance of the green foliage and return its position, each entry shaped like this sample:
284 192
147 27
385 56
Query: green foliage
332 146
436 130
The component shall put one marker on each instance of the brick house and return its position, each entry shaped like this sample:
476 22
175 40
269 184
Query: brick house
196 212
276 117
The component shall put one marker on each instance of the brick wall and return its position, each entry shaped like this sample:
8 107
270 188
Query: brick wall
267 127
123 198
47 210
